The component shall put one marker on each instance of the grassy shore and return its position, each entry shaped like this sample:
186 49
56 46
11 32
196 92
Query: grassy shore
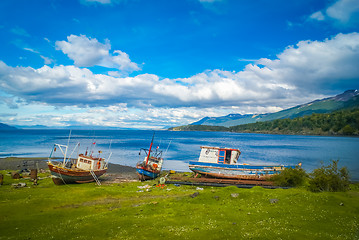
142 210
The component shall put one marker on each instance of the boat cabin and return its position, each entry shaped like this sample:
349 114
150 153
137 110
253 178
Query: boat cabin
219 155
89 163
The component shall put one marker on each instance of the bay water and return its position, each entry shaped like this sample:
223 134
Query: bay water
181 147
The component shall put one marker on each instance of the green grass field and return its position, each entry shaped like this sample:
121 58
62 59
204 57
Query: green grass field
125 211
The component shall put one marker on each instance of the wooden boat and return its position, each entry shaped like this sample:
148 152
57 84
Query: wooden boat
84 169
222 163
151 166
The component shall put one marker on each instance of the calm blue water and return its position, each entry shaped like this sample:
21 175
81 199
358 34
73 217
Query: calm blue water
185 146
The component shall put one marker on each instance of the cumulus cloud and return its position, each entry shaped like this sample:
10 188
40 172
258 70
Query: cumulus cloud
299 74
343 12
314 65
88 52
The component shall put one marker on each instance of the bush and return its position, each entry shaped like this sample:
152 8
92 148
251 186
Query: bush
329 178
348 130
290 177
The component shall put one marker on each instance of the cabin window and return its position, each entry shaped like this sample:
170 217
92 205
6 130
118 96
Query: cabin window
228 157
85 161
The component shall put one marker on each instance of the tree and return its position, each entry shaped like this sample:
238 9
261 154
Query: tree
329 178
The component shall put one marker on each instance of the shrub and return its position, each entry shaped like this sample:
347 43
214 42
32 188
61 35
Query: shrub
290 177
329 178
348 130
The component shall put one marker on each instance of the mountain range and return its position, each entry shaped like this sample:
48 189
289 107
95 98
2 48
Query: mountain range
6 127
344 100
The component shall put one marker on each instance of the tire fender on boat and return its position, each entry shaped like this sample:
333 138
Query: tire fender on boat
162 180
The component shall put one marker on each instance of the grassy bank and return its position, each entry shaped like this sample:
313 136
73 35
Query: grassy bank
129 211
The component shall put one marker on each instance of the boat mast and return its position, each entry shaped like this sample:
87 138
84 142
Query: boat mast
149 151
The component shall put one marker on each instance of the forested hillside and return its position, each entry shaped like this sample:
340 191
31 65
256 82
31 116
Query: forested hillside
345 122
200 128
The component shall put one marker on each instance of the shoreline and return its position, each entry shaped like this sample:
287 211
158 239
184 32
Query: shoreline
115 172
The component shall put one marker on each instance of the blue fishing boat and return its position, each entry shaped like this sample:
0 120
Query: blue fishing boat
222 163
150 167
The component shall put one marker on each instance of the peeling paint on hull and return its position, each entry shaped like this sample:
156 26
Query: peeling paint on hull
62 175
235 171
146 175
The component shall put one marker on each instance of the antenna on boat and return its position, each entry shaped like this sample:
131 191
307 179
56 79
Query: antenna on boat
93 144
107 160
68 142
167 148
78 144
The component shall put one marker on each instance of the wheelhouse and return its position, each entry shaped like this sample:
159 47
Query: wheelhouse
219 155
89 163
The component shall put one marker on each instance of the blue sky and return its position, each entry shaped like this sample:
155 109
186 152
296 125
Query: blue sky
155 64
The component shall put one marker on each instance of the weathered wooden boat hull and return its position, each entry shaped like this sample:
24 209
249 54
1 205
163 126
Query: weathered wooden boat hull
62 175
144 174
237 171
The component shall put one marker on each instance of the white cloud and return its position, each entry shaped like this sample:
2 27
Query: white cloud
343 12
210 1
317 16
314 65
47 60
246 60
97 1
301 73
88 52
100 2
30 50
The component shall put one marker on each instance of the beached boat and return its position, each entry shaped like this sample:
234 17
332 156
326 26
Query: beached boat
151 166
222 163
83 169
